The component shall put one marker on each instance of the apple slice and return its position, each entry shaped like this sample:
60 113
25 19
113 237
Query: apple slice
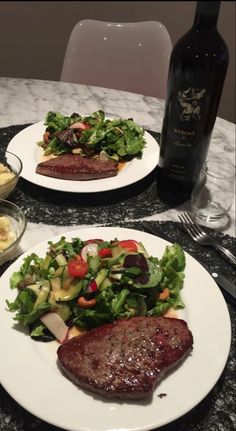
56 325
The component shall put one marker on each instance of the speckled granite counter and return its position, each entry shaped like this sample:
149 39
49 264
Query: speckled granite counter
24 102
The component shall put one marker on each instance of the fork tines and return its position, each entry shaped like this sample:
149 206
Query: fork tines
190 226
186 218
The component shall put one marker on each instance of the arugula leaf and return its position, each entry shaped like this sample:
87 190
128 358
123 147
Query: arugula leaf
137 302
159 309
25 268
38 330
70 249
173 264
94 263
118 301
55 147
56 122
174 257
25 305
120 139
27 318
15 279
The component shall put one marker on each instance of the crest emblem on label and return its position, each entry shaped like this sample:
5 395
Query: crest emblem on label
190 101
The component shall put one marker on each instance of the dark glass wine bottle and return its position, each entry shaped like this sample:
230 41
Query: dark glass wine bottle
197 70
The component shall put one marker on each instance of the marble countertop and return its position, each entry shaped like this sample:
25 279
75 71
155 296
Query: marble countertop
26 101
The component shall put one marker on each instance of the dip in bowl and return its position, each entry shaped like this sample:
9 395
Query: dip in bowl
10 170
12 227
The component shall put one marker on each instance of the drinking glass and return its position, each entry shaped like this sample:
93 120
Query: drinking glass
212 196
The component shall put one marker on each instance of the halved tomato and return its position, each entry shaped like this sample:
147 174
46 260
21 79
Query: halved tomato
77 267
129 245
105 252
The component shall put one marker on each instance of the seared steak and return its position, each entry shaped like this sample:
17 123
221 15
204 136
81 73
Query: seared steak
76 167
127 358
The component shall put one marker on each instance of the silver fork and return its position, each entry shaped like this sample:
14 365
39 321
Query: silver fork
198 235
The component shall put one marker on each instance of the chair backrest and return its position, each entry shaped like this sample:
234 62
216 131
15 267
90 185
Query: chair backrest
124 56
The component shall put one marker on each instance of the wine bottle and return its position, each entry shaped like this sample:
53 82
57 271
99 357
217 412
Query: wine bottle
197 71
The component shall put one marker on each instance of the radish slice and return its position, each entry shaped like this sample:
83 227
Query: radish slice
79 125
56 326
90 249
92 287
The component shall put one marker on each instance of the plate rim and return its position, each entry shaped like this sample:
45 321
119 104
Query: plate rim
90 186
70 234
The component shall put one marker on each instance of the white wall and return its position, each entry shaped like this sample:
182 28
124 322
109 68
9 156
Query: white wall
33 35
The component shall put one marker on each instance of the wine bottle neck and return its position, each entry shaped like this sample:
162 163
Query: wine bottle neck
206 15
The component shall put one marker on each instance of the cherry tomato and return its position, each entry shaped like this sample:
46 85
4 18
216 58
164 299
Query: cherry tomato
105 252
129 245
77 267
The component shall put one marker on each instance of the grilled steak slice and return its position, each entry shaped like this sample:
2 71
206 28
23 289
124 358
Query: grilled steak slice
127 358
76 167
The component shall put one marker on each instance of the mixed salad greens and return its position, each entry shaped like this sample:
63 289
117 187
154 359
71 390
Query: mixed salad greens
89 283
92 135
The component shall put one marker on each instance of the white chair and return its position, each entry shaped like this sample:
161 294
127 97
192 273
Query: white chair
124 56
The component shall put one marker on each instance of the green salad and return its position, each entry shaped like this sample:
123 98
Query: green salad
92 136
85 284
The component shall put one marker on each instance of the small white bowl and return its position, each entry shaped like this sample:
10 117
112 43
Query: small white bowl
18 224
14 164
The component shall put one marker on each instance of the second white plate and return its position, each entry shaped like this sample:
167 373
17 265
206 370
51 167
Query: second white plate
24 146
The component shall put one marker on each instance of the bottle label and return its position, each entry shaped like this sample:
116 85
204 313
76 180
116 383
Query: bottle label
190 103
188 109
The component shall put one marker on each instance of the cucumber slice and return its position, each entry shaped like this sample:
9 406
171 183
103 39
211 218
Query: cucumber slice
105 284
102 274
111 261
55 283
63 310
68 294
61 260
43 295
59 271
142 249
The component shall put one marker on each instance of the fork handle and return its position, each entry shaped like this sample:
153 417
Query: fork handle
226 252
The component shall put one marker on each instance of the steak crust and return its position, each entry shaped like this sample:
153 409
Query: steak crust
128 358
76 167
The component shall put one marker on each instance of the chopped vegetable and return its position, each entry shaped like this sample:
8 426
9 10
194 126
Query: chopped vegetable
92 287
92 135
129 245
164 294
90 249
56 326
89 283
77 267
105 252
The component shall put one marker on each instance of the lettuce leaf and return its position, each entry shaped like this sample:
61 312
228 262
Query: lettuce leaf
118 138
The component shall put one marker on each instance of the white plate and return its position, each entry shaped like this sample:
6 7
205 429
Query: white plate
24 146
28 369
